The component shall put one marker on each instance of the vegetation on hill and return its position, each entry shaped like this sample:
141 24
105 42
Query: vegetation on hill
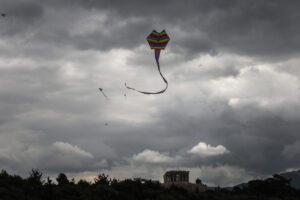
294 176
35 188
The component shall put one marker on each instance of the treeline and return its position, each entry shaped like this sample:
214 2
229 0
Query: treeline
14 187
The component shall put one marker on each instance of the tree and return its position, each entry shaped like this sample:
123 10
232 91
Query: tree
35 178
62 179
83 183
198 181
283 180
102 179
49 182
3 174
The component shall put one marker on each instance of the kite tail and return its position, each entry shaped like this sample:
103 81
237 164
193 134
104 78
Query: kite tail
104 94
157 54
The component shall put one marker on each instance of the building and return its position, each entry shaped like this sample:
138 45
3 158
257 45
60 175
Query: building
181 179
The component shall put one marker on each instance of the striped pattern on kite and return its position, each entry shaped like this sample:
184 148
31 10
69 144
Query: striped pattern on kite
158 40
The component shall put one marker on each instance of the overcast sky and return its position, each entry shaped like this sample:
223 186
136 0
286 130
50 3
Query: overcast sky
231 112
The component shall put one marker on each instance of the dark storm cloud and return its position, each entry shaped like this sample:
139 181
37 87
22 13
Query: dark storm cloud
107 41
259 133
20 17
255 143
27 12
264 28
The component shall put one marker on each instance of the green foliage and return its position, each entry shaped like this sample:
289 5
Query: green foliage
102 179
104 188
62 179
83 184
35 178
277 186
198 181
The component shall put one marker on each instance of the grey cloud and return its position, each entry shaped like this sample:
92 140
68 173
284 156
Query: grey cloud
224 175
21 17
237 26
203 150
245 28
59 156
250 144
27 12
291 151
69 158
155 157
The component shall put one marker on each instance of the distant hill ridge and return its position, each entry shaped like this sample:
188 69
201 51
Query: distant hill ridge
294 176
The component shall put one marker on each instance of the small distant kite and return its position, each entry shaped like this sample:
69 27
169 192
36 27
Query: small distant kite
157 41
101 90
3 14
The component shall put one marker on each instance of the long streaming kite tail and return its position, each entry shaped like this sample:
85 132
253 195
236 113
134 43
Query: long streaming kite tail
157 53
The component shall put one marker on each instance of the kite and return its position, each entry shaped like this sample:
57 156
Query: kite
3 14
157 41
101 90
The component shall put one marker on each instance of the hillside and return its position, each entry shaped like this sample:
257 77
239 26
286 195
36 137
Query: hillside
295 178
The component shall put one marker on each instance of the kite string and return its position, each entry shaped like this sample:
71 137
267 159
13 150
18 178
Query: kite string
157 54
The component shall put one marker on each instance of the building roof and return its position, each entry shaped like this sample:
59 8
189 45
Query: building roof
176 172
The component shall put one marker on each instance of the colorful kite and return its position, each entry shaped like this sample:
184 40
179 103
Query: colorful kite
157 41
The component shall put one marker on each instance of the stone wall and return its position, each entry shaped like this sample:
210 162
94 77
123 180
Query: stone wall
176 177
